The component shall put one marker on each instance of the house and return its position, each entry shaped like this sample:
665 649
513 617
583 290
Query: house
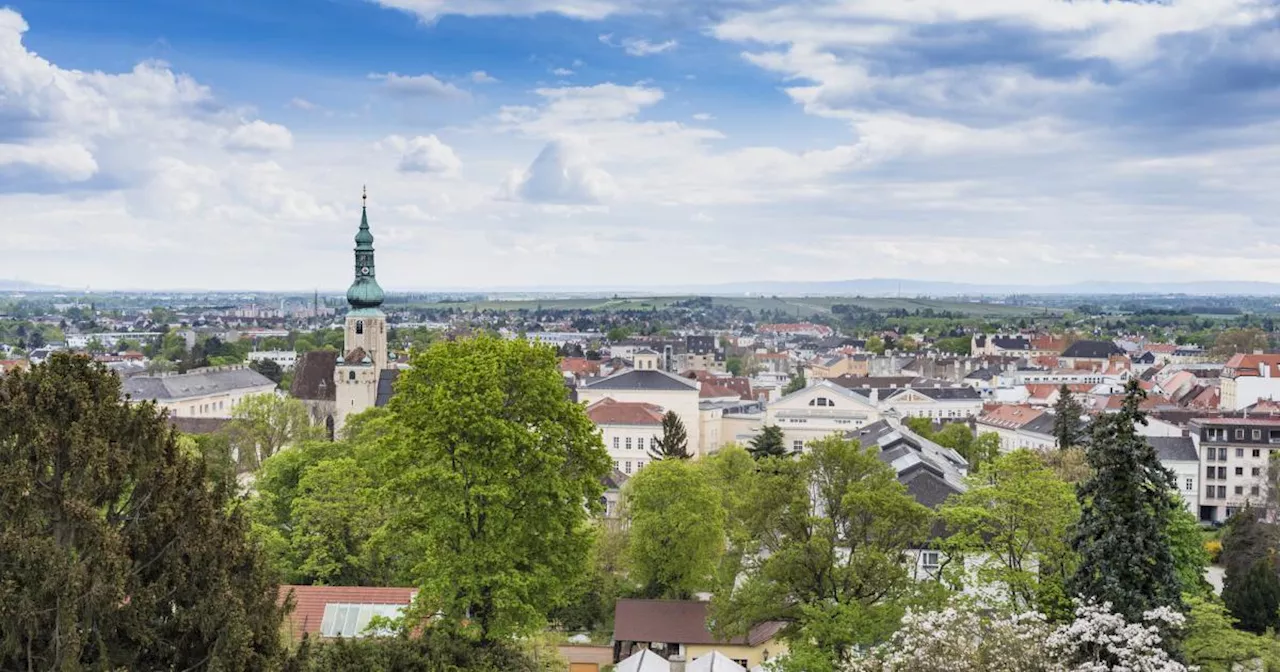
202 393
820 410
997 344
629 431
1178 454
341 611
579 368
1246 378
832 366
1234 454
285 359
920 398
1090 354
1013 424
677 629
653 386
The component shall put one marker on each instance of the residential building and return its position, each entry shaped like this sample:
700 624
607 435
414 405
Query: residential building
1246 378
1094 355
1178 454
285 359
945 402
201 393
629 431
818 411
341 611
655 387
678 630
1019 427
998 344
805 329
1234 454
833 366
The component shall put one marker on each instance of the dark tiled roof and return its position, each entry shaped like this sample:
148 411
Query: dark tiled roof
677 622
635 379
952 393
198 425
196 384
386 385
313 376
1092 350
1174 448
926 484
855 382
1041 424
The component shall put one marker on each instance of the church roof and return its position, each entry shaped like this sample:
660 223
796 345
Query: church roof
313 376
364 292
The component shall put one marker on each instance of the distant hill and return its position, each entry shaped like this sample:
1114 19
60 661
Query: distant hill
23 286
894 287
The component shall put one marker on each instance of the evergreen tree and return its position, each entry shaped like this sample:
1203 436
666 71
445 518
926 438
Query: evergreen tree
1253 599
1123 539
770 442
674 442
1249 546
797 383
116 551
1068 428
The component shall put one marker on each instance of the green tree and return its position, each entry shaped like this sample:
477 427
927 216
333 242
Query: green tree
875 345
1214 644
115 552
770 442
734 365
1235 341
1253 599
731 471
1249 546
1012 523
1125 510
333 518
269 369
921 426
677 529
263 424
674 442
796 384
617 334
595 596
956 346
1068 427
829 532
1186 542
492 473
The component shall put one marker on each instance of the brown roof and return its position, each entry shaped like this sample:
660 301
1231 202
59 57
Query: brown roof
310 601
710 390
198 425
609 411
677 622
1252 365
356 356
1010 416
579 366
313 376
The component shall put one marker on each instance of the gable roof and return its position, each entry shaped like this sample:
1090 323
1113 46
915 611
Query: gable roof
824 385
677 622
1249 365
1092 350
1009 416
855 382
643 379
609 411
310 601
313 376
180 386
386 386
1174 448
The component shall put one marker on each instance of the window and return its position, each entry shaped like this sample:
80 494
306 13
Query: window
352 620
628 443
1222 454
653 442
1256 471
797 445
617 442
627 466
1209 472
1239 433
639 465
1222 473
929 560
1210 454
351 375
1222 492
1239 489
1239 452
742 662
1190 485
1257 435
617 464
1239 471
639 443
1208 492
1257 453
822 401
1254 491
359 326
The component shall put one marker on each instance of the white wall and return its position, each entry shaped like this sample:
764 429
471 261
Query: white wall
683 402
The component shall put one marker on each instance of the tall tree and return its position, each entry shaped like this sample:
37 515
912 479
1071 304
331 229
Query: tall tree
263 424
1013 522
1234 341
1186 542
492 472
674 442
770 442
1068 428
268 368
115 551
1249 548
1123 539
677 529
1253 599
830 532
796 384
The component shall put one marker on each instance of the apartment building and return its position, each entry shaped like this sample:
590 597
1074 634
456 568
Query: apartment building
1234 453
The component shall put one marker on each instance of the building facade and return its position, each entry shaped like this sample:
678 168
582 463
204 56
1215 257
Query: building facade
203 393
1234 454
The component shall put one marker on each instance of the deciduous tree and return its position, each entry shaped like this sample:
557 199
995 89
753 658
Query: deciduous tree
676 528
263 424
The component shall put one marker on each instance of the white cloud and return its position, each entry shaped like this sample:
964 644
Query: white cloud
424 154
482 77
562 174
638 46
260 136
562 72
303 104
419 85
703 116
69 162
430 10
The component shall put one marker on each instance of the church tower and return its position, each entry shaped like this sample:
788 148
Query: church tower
364 352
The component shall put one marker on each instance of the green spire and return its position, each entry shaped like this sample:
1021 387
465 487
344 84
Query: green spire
364 291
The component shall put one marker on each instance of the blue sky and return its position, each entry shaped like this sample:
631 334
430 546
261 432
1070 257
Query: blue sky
612 143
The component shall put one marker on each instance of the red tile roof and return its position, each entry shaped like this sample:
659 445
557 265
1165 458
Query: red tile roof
1251 365
1010 416
709 390
310 601
609 411
579 366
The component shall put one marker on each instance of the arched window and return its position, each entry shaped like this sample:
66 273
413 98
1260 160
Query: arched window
328 426
822 401
359 326
351 375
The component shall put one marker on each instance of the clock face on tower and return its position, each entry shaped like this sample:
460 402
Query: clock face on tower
364 270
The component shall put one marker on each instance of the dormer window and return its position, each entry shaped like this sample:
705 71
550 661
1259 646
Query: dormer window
822 401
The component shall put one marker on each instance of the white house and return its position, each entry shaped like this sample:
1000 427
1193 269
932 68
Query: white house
285 359
923 399
1179 455
1019 427
629 431
818 411
654 387
203 393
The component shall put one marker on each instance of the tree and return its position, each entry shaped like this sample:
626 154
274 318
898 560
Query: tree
617 334
829 532
263 424
731 472
958 437
1071 465
1012 525
1123 539
796 384
1068 428
875 345
492 472
1235 341
956 346
921 426
115 552
734 365
595 597
1212 642
269 369
674 443
770 442
1253 599
1186 543
677 529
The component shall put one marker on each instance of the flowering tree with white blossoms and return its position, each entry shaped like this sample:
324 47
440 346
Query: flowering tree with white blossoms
962 639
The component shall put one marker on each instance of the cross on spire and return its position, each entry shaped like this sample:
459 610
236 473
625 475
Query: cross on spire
364 195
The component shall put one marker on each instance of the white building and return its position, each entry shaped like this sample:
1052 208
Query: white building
110 339
203 393
1179 455
816 412
654 387
285 359
629 431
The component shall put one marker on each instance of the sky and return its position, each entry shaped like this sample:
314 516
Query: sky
223 144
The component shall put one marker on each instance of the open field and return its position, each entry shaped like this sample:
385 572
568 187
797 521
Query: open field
801 307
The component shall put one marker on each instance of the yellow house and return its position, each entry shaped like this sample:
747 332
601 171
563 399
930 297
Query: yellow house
678 628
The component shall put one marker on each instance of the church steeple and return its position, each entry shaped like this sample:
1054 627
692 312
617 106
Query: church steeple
364 292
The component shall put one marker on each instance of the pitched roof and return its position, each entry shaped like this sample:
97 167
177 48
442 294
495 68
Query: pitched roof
609 411
386 386
1249 365
195 384
677 622
1010 416
579 366
310 601
198 425
1180 448
710 390
313 376
1092 350
646 379
854 382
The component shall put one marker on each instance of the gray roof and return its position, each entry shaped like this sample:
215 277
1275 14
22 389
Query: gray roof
1092 350
904 450
647 379
1041 424
386 382
1174 448
196 384
951 393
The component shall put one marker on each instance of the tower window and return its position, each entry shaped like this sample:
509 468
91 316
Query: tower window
351 375
359 326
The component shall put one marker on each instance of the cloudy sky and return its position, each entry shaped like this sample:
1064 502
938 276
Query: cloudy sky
606 143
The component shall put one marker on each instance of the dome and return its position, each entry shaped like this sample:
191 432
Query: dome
365 293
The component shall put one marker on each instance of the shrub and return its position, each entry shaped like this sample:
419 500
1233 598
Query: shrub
1214 548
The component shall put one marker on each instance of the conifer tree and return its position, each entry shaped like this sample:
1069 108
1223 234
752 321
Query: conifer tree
1068 429
674 443
1249 546
1122 538
770 442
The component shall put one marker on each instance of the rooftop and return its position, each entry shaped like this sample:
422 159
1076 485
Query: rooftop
677 622
647 379
609 411
201 383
